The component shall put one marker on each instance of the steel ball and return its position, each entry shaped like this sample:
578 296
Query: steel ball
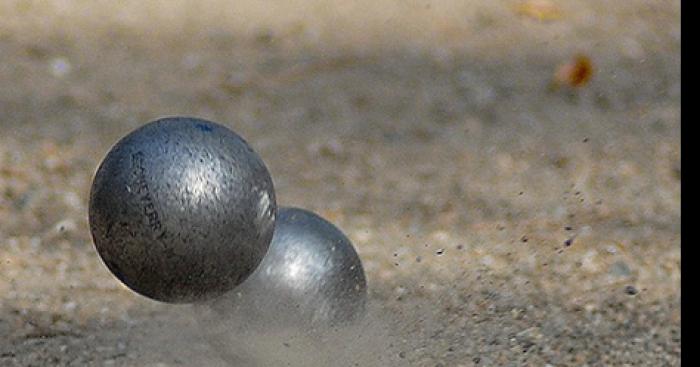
310 285
182 210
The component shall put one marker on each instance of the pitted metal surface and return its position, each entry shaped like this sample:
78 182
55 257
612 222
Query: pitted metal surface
182 209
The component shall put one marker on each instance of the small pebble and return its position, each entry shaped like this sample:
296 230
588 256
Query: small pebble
60 67
620 269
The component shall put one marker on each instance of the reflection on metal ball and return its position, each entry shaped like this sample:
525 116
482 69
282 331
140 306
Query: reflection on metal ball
182 210
310 283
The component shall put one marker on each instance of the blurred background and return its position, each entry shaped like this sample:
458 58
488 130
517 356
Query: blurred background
509 171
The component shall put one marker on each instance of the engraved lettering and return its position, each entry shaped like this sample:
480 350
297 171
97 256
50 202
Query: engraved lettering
149 209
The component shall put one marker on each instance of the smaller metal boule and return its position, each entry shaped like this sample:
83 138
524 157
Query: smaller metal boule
182 210
310 283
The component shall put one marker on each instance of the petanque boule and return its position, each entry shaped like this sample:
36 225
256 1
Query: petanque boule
182 210
293 310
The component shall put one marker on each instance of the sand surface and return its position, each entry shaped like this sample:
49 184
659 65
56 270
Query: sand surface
503 219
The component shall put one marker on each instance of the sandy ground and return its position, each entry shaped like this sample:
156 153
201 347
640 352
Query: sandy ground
503 220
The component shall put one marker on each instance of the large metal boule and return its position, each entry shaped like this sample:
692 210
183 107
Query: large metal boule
182 210
308 288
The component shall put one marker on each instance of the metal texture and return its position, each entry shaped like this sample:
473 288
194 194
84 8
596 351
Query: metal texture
182 210
310 283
